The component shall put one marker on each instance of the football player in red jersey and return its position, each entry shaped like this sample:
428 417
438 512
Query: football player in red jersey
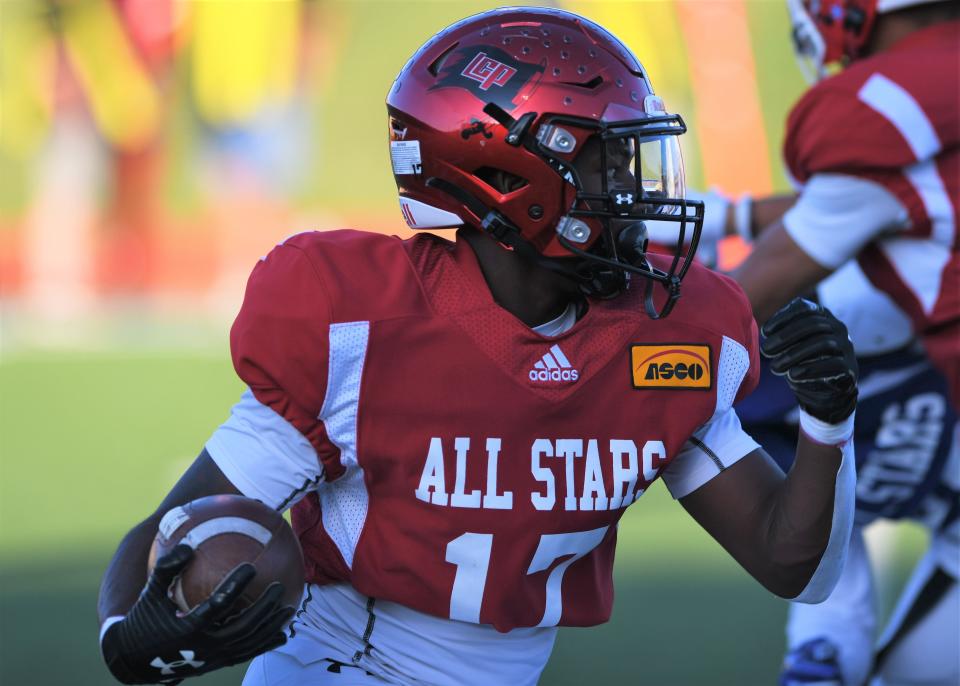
876 148
458 426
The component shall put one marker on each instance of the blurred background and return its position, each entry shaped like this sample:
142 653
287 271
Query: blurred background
152 150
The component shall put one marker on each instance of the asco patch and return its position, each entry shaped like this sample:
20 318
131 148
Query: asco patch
683 366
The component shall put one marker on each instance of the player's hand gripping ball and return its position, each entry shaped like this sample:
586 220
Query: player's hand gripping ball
226 574
810 347
225 531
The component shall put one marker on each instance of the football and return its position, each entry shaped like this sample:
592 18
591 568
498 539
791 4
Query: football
225 531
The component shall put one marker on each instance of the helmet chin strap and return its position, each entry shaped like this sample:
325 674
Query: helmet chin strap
630 241
504 231
597 277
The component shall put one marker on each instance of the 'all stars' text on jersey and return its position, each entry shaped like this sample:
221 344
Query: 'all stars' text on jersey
608 478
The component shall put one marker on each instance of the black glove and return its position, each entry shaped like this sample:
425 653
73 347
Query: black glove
807 344
154 644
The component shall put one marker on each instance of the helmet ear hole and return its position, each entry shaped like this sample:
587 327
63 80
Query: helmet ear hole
501 181
398 130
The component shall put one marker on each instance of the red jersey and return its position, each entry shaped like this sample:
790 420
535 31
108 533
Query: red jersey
470 467
894 119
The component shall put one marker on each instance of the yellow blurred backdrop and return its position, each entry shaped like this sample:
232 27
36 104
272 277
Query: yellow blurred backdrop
153 149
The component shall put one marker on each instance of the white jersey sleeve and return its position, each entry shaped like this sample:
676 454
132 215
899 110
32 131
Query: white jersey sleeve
836 215
720 441
264 455
874 321
716 445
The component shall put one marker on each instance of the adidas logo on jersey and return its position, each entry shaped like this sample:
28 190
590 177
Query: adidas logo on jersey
554 366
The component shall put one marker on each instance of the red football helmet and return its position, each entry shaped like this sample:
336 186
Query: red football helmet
826 31
486 124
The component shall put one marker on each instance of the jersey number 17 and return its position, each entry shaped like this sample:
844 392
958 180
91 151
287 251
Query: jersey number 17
471 554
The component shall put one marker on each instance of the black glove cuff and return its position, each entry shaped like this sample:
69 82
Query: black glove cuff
110 649
833 414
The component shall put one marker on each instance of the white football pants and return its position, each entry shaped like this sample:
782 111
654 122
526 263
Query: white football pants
280 669
927 651
921 643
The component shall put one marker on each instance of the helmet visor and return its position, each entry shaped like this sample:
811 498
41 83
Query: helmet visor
625 172
630 173
659 168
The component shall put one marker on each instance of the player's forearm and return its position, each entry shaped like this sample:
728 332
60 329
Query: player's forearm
767 211
776 271
749 216
778 528
801 514
127 572
811 517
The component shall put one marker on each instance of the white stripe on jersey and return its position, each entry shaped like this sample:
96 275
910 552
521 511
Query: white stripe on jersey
925 178
919 262
732 367
344 501
348 349
900 108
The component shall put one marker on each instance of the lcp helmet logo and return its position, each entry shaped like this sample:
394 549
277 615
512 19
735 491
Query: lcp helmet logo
490 74
488 71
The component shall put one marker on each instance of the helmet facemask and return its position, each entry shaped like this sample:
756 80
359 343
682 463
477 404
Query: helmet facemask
624 173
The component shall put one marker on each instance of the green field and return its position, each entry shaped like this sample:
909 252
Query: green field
89 443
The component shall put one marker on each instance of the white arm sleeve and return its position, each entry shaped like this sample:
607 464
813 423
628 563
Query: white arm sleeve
831 564
264 456
836 215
